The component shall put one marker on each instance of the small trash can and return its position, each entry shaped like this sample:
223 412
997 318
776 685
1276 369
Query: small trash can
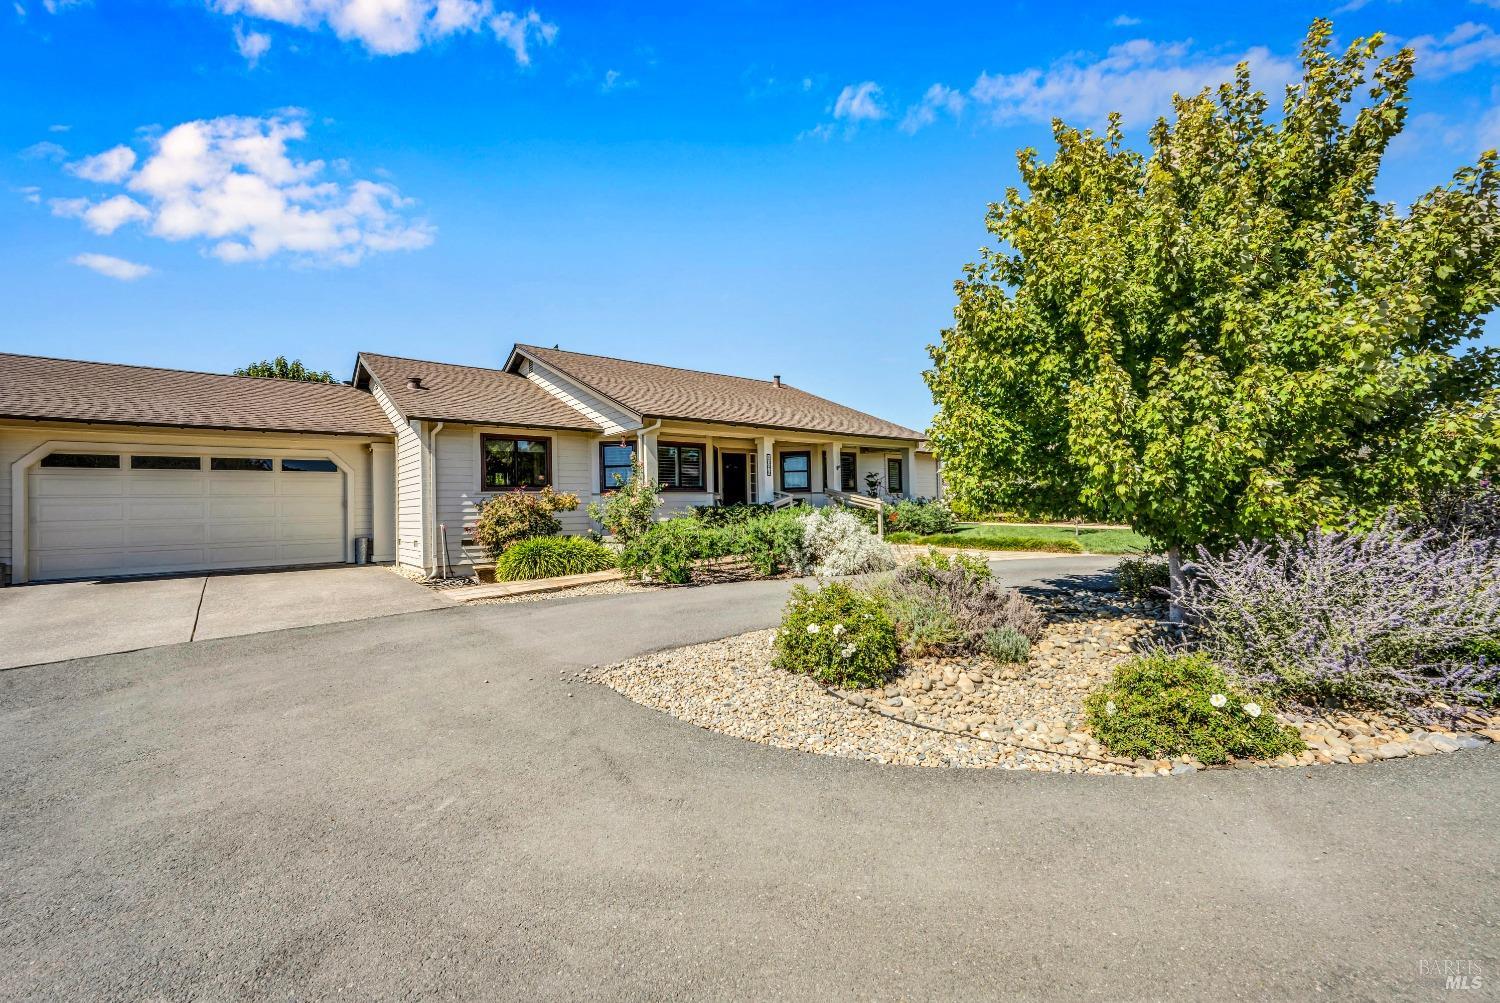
363 548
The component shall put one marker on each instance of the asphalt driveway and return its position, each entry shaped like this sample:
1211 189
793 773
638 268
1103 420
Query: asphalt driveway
56 620
429 806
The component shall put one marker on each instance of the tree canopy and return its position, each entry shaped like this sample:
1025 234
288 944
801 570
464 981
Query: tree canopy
280 369
1230 337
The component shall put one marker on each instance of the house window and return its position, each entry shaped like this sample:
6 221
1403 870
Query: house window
893 476
165 463
92 460
238 463
848 472
310 466
512 461
796 471
614 465
679 466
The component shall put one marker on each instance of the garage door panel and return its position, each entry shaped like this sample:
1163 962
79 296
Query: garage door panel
79 483
96 523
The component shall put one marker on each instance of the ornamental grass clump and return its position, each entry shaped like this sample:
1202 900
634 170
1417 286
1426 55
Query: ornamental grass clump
834 543
551 557
1390 619
946 605
1163 705
838 635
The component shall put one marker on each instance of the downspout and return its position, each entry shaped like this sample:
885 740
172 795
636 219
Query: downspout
429 490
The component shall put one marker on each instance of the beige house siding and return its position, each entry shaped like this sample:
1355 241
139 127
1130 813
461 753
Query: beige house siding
18 439
609 415
925 484
409 535
458 478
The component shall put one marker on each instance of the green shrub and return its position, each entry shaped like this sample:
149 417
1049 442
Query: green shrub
838 635
550 557
1005 645
512 516
988 542
667 551
1141 577
924 518
630 510
1163 705
725 515
771 541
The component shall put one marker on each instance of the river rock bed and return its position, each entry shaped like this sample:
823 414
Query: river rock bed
1025 716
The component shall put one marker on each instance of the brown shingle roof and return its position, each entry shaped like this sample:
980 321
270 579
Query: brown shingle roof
470 394
65 390
666 392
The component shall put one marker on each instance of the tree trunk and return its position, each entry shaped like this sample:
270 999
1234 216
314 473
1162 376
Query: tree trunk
1176 582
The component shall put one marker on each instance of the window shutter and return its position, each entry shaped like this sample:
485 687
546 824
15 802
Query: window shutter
690 467
666 466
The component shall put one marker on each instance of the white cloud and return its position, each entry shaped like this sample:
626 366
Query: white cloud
103 217
110 167
614 80
1465 47
1125 21
53 6
937 99
251 44
389 27
58 128
45 150
230 183
31 193
115 268
859 102
1135 78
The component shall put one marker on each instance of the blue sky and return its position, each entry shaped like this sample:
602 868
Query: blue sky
752 188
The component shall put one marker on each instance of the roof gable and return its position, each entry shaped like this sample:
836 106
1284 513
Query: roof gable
658 391
469 394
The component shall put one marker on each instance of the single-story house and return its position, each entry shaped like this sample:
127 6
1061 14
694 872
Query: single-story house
121 470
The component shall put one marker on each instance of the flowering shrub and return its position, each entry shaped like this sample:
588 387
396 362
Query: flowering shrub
837 543
1163 705
1387 619
1142 577
629 510
924 518
838 635
512 516
946 605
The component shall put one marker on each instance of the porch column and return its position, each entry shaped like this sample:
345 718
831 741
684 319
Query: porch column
909 472
646 450
765 459
835 451
382 501
710 470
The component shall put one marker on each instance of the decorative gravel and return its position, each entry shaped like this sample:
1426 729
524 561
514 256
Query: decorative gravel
1027 716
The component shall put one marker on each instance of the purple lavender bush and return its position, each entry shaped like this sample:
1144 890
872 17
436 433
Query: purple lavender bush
1392 619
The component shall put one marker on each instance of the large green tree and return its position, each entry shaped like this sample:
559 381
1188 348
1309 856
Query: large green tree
280 369
1230 337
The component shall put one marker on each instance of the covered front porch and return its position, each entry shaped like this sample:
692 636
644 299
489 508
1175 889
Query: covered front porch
716 465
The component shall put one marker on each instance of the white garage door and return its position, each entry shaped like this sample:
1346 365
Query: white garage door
97 514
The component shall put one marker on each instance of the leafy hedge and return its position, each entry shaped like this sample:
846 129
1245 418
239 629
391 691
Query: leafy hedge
550 557
512 516
1165 705
1142 577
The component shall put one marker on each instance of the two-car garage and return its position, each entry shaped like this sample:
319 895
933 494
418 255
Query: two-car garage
156 511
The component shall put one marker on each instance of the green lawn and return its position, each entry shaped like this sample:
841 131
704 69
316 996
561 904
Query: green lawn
1058 539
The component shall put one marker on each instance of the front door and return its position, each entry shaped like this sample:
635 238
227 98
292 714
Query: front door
733 481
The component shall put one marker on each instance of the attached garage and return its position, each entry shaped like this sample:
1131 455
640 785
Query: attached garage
99 514
126 470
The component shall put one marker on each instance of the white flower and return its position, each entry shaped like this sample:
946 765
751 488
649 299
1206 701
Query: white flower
1218 700
838 629
847 650
1253 709
813 628
1109 707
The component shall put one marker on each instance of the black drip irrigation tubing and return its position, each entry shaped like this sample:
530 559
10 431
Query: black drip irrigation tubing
1106 761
